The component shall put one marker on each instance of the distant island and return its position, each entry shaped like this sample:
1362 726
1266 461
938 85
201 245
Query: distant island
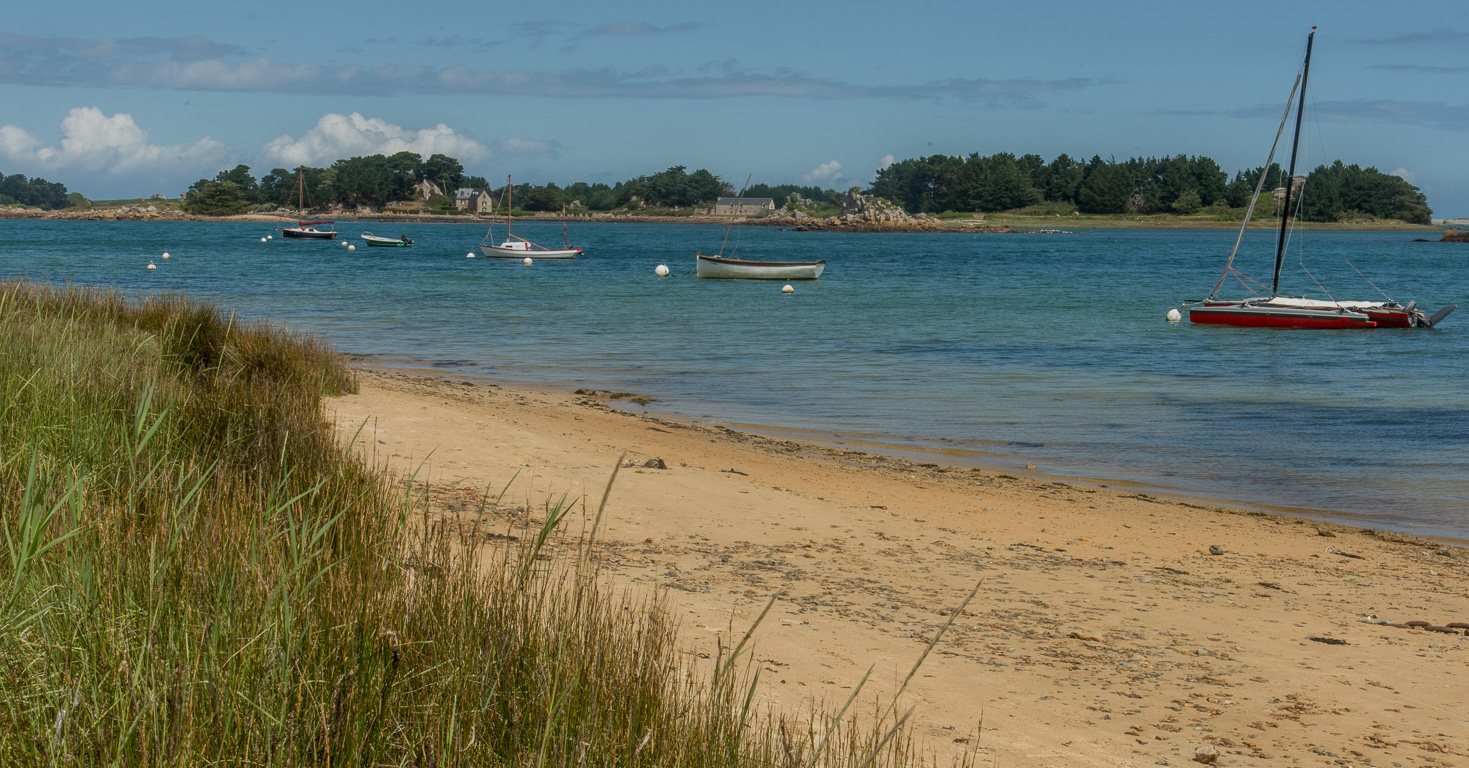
940 192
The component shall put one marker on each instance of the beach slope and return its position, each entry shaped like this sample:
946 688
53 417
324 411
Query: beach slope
1104 632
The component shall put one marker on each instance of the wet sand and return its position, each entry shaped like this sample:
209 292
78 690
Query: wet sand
1104 631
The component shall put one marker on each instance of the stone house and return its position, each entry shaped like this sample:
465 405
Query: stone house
747 206
474 199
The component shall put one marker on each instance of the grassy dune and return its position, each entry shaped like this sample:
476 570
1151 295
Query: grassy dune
196 573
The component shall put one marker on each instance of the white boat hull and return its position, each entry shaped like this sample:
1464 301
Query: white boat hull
741 269
520 250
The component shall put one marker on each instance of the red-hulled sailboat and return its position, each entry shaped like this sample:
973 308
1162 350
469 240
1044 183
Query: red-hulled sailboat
1276 311
306 230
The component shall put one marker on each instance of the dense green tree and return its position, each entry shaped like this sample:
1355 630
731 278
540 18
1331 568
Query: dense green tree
444 171
215 198
241 178
1106 189
16 189
1063 177
362 181
278 188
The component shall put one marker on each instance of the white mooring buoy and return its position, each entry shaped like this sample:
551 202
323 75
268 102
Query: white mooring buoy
270 237
527 261
661 270
351 247
1174 315
165 254
787 288
469 255
262 239
345 243
151 265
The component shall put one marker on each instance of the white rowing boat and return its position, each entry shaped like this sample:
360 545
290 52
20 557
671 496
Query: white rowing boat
742 269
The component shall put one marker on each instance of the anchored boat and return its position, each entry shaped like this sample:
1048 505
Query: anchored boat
517 247
401 241
1276 311
306 230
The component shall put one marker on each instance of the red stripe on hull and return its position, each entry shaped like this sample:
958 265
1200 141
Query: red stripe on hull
1267 321
1391 319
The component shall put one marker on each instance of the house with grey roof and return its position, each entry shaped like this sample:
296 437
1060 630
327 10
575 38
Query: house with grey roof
743 206
473 199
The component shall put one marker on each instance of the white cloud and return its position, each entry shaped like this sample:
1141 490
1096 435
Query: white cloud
94 142
826 172
1404 174
341 136
886 162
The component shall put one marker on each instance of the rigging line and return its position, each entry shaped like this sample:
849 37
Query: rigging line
1302 265
1259 186
1242 277
1369 281
739 206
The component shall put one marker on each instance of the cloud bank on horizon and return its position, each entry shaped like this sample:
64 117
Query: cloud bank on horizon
194 63
604 96
94 142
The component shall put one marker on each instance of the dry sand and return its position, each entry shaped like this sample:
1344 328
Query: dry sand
1104 631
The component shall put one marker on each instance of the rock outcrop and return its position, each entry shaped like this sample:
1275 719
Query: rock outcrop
1456 236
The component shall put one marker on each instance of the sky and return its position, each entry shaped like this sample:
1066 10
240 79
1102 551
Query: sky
126 100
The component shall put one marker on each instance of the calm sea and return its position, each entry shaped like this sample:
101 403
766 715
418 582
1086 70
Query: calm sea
986 350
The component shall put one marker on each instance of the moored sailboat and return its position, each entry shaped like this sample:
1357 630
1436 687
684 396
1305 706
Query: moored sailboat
306 230
1276 311
516 247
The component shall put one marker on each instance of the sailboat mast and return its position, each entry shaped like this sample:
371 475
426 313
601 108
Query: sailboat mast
509 203
1290 180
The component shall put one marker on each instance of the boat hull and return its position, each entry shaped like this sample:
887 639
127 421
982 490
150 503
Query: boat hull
1285 312
386 242
497 252
296 233
741 269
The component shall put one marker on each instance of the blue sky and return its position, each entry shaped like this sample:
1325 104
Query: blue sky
123 100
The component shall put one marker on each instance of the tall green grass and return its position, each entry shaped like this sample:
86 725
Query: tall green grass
195 572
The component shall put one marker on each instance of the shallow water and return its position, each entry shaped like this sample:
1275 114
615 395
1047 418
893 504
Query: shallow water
997 350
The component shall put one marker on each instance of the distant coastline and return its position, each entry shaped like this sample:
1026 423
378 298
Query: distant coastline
997 223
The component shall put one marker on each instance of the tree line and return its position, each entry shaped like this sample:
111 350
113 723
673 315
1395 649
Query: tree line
16 189
1180 184
374 180
377 181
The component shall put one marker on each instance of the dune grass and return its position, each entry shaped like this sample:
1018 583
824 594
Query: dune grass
195 572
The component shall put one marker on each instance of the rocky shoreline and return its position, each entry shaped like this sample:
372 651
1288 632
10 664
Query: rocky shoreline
859 213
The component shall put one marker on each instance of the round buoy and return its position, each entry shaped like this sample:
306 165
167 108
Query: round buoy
351 247
165 254
270 237
151 265
787 288
1174 315
661 270
262 239
527 261
345 243
469 255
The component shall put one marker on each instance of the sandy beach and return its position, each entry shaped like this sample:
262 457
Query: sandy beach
1110 627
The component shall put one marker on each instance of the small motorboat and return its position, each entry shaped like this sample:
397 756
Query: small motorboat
401 241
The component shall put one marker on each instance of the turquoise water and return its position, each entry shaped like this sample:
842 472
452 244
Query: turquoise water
994 350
